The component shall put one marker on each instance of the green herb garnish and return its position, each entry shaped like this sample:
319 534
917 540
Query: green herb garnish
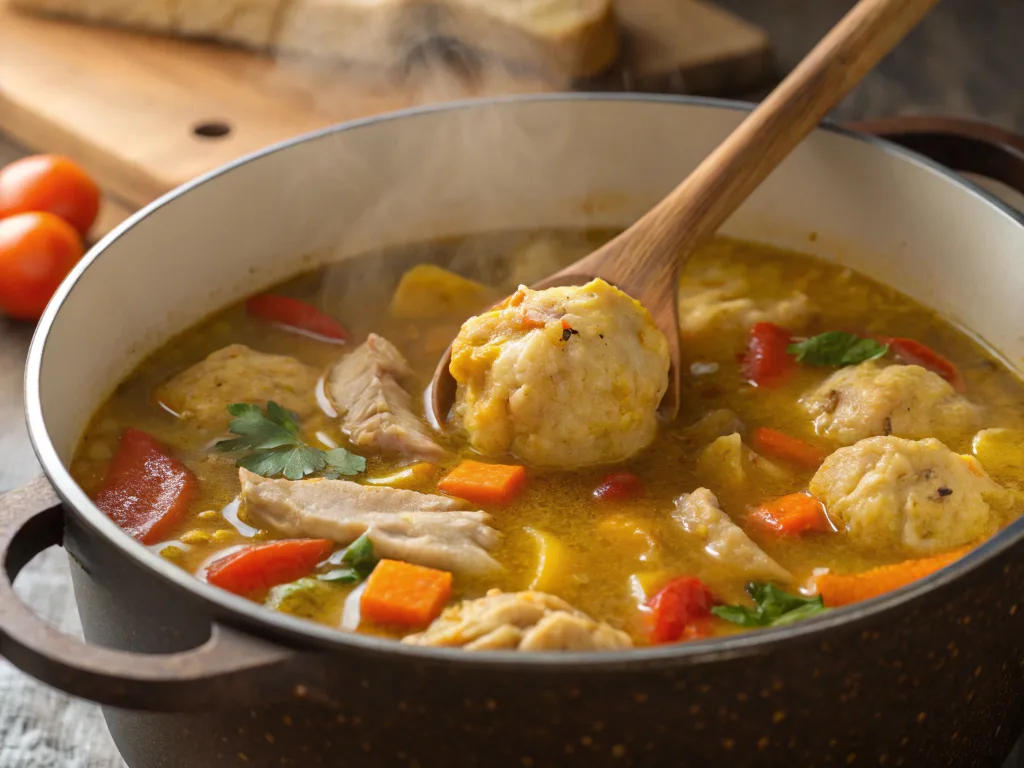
360 559
772 608
272 436
837 348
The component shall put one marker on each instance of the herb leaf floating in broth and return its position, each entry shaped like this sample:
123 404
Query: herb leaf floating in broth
273 435
773 607
837 349
360 559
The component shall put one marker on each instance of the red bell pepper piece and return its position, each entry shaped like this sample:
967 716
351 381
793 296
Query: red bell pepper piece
266 565
296 315
792 515
789 449
679 610
146 492
916 353
767 363
619 486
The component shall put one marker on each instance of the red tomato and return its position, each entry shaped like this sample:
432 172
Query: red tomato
146 492
266 565
916 353
619 486
297 315
677 610
37 250
53 184
767 363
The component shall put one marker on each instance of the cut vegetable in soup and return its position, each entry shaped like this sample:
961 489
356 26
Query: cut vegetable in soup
836 441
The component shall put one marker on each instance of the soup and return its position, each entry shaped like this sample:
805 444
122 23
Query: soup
835 440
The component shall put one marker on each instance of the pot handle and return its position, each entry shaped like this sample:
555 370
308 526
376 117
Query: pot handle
964 145
227 668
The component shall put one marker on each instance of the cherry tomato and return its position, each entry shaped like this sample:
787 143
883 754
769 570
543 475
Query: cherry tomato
37 250
619 486
678 610
53 184
767 364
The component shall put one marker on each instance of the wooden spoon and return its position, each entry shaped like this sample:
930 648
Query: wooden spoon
644 261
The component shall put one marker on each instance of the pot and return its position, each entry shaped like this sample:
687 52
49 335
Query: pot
190 675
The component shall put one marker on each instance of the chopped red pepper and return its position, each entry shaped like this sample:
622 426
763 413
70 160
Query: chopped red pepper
146 491
266 565
767 364
679 610
619 486
916 353
787 448
296 315
792 515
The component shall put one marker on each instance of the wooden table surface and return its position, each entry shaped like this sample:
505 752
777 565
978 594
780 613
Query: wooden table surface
964 60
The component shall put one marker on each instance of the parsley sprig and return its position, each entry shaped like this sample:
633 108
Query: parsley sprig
837 349
272 438
773 607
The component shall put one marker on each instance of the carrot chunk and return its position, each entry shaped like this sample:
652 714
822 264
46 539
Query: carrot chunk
146 491
403 593
484 483
787 448
915 353
839 590
297 315
266 565
791 515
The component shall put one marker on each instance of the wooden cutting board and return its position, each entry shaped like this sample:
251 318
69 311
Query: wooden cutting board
145 114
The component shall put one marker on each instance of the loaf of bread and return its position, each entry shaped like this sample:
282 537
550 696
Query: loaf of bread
565 38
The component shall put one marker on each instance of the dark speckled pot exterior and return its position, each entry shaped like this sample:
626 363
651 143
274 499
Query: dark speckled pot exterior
937 682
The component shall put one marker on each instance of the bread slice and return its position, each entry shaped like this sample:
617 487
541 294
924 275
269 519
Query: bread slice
564 38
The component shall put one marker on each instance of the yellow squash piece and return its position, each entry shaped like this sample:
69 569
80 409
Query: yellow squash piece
553 561
413 476
428 291
643 586
1001 452
630 536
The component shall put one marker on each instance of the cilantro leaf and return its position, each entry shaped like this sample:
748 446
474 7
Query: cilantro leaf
837 348
341 462
273 437
772 608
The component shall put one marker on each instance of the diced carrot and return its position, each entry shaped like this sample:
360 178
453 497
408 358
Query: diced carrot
406 594
297 315
266 565
787 448
484 483
791 515
767 363
146 491
916 353
843 589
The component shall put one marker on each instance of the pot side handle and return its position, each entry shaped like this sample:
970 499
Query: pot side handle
228 668
964 145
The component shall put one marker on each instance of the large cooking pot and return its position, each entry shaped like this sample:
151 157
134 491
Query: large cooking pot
193 676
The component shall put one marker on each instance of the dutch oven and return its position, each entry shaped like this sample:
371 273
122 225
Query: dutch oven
192 676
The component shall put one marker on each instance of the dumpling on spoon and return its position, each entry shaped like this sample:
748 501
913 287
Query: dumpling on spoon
563 377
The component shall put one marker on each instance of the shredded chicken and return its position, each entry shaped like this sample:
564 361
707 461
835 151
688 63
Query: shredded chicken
525 621
431 530
376 410
700 516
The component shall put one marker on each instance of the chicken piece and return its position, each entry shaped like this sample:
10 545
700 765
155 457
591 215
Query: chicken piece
700 516
376 410
872 399
237 374
919 495
565 377
524 621
714 300
426 529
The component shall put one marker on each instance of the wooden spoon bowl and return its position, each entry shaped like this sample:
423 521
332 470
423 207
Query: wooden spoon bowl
644 261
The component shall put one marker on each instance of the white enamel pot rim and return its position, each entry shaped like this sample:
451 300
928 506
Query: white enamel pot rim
236 611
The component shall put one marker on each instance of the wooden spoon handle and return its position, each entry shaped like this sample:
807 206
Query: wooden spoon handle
695 209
